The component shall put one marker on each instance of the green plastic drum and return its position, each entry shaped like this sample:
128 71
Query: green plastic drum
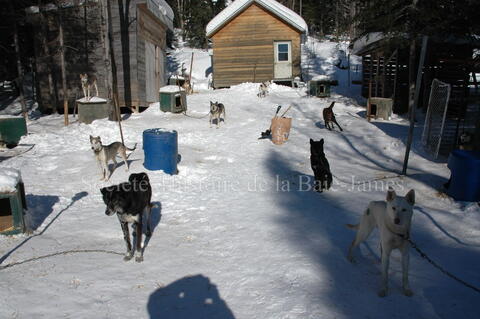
12 128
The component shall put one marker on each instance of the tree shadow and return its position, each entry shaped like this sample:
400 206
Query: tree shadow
314 223
189 297
74 199
39 208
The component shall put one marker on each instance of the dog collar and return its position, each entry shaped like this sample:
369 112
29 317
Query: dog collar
403 236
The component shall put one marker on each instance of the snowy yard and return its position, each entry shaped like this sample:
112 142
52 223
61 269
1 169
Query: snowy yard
237 234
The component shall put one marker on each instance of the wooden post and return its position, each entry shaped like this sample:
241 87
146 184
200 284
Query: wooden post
191 69
414 99
62 66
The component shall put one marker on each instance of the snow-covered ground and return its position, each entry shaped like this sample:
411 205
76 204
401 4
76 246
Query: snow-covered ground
238 233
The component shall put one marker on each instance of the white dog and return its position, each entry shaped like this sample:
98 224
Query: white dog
393 218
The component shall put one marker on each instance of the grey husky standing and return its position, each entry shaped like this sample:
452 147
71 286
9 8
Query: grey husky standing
104 153
216 111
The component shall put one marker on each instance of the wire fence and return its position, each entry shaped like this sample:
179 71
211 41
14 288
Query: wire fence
435 118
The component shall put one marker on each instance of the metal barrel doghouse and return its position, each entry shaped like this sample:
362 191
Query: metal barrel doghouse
160 147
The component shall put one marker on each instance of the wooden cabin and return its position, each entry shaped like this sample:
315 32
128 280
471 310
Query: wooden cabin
255 41
138 43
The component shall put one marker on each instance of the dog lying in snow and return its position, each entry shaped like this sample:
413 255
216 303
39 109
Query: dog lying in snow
105 153
320 166
130 201
393 218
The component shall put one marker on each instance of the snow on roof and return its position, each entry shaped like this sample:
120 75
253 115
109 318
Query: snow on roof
93 99
365 40
273 6
323 77
9 179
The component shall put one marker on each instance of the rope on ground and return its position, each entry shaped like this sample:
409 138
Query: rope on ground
194 117
66 252
434 264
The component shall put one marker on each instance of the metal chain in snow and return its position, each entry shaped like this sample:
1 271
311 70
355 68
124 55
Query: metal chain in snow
61 253
193 117
434 264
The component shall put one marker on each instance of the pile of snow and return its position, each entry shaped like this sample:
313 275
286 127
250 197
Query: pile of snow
9 179
93 99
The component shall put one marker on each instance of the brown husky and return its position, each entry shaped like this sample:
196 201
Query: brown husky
329 117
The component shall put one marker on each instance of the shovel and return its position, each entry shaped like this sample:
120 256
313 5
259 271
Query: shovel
268 132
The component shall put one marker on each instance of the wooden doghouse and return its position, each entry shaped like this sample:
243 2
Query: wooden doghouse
93 109
255 41
379 107
320 85
173 99
12 128
12 202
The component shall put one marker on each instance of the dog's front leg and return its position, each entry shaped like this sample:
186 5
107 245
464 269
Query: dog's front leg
385 263
138 231
405 263
126 237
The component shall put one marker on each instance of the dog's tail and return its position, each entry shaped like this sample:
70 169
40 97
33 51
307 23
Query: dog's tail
131 149
352 226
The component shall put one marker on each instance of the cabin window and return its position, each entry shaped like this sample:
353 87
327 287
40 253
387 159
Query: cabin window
282 52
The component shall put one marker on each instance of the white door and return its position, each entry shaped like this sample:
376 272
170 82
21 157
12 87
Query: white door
283 60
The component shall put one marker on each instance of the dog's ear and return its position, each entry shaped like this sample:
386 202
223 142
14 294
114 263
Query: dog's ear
410 197
311 141
391 194
91 138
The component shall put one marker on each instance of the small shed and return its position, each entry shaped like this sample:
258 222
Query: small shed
101 38
255 41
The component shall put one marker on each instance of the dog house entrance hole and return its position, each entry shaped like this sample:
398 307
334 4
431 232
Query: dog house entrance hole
373 109
6 214
321 88
178 100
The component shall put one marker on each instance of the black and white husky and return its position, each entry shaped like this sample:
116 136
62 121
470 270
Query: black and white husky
105 153
130 201
216 111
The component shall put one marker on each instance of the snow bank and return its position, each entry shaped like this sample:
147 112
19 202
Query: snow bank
9 178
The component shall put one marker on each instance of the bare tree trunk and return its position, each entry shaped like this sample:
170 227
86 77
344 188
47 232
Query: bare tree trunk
180 12
106 48
124 11
114 70
48 60
19 64
62 66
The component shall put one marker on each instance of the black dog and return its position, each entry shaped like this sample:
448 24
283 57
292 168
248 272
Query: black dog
320 166
129 200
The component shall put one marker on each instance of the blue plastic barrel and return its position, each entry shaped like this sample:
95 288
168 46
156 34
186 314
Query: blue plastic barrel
160 147
465 178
